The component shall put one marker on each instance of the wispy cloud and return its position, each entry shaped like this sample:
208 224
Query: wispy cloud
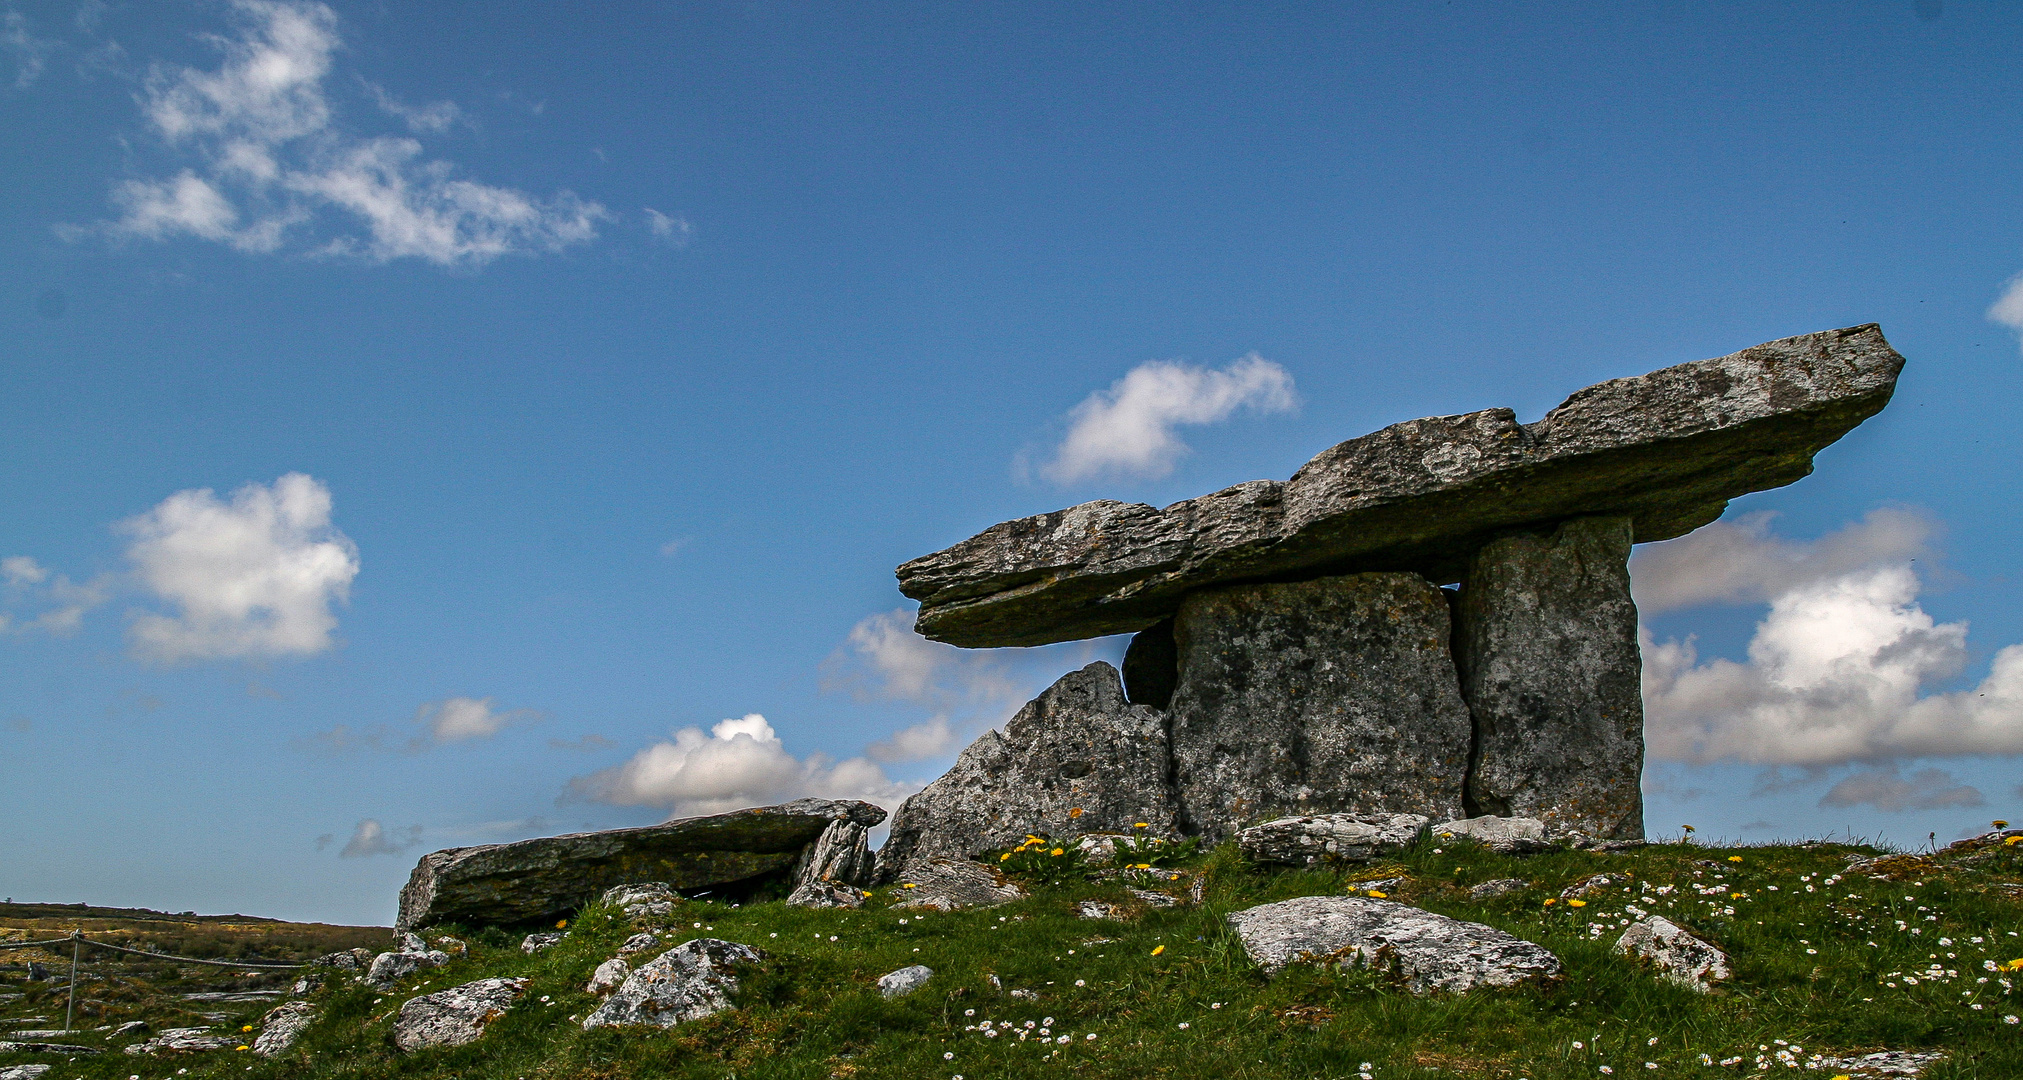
64 603
672 230
29 52
1884 789
882 659
1129 429
255 576
437 723
737 763
268 165
1838 667
370 838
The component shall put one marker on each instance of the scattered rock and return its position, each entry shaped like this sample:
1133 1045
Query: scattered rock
1025 995
1100 849
1681 958
1588 886
840 856
551 876
282 1025
825 894
1887 1063
1317 697
948 884
638 943
348 960
453 946
1431 953
389 968
1151 898
1666 450
305 985
534 943
1546 643
691 981
1095 909
641 900
23 1072
1508 836
1076 759
1490 890
904 981
131 1027
455 1016
1303 841
608 976
180 1041
54 1048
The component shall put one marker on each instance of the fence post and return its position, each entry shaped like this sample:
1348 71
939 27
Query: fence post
76 943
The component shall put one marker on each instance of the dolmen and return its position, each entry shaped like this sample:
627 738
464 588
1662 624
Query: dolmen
1433 619
538 880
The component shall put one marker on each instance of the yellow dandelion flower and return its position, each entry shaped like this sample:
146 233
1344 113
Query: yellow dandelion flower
907 885
1551 900
1376 895
2000 824
2016 965
248 1027
242 1048
1141 866
562 924
2014 840
1056 852
1074 811
1576 903
1157 951
1004 856
1734 858
1734 896
1141 824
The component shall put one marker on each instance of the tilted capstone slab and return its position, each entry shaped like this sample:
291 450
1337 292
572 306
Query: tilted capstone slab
1333 696
1546 642
1666 450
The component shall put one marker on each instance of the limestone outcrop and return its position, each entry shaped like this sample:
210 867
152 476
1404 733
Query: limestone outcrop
1680 958
1429 953
1328 838
456 1016
551 876
688 982
1666 450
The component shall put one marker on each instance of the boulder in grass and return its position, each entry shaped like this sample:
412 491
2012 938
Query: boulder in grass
643 900
1503 835
1429 953
389 968
1681 958
282 1025
688 982
23 1072
904 981
608 977
547 939
192 1040
456 1016
1303 841
1490 890
949 884
825 894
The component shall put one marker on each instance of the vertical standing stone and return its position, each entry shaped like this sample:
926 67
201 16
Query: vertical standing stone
1337 695
1546 640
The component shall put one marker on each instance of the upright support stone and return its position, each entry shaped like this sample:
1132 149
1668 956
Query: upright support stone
1546 643
1336 695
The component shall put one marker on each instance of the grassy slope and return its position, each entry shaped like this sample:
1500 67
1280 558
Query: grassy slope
1806 972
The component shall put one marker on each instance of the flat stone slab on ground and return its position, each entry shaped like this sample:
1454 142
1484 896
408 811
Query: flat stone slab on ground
1431 953
1303 841
282 1025
1507 836
23 1072
1490 890
1667 450
182 1040
949 884
550 876
456 1016
688 982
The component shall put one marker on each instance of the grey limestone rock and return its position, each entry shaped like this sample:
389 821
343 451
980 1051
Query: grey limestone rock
688 982
608 977
1095 909
12 1047
949 884
1509 836
131 1027
1490 890
23 1072
282 1025
348 960
551 876
1303 841
1666 450
1336 695
1884 1064
546 939
1430 953
1546 642
1681 958
456 1016
841 856
1588 886
389 968
904 981
643 900
1078 758
190 1040
638 943
825 894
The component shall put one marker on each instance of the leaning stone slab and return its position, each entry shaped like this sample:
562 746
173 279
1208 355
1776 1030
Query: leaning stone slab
547 877
1336 695
1667 450
282 1025
1303 841
949 884
691 981
547 939
841 856
1546 642
456 1016
1507 836
1431 953
1076 759
1681 958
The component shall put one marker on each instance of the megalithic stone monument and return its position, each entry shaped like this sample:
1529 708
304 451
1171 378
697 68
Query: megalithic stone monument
1292 636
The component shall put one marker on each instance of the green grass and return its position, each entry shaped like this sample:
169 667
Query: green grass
812 1011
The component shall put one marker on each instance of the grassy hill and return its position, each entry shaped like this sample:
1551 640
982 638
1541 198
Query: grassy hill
1825 964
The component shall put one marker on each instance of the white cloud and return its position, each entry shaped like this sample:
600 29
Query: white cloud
928 739
674 230
882 659
1834 674
28 49
271 162
460 719
2008 309
19 570
64 601
253 577
1127 430
1884 789
737 763
370 838
1740 562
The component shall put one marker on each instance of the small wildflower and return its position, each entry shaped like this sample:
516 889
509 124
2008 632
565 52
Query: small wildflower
948 1056
1157 951
1003 857
1734 858
248 1027
1551 900
1576 903
563 925
906 885
1183 1025
1141 824
1056 852
1378 895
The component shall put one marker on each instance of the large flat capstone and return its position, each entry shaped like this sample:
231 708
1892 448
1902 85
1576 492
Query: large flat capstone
540 879
1666 450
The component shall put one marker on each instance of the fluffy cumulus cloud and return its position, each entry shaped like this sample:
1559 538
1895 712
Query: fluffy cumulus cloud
736 763
1742 562
1839 668
882 659
267 163
2008 308
253 576
1885 789
1129 429
462 719
370 838
58 603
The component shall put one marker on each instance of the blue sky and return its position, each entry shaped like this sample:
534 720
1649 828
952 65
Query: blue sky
418 416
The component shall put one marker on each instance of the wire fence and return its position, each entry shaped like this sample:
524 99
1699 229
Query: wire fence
77 942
